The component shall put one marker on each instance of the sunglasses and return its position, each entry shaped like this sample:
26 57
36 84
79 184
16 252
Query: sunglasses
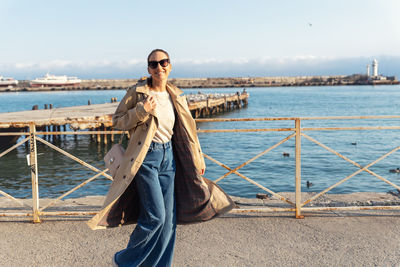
163 62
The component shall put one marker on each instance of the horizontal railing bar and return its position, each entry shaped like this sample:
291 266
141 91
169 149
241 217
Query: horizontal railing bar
264 209
245 130
352 117
221 130
301 118
79 132
17 214
14 133
51 213
351 128
234 211
61 213
235 130
27 123
303 129
244 119
351 208
44 122
63 133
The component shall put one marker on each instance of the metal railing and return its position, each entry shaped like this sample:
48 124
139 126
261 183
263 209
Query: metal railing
296 132
33 163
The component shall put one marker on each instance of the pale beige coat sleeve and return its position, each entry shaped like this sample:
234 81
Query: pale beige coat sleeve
129 112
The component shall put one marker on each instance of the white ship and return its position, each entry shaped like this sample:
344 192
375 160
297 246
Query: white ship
7 82
53 81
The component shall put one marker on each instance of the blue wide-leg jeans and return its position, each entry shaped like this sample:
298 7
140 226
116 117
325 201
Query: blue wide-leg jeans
153 240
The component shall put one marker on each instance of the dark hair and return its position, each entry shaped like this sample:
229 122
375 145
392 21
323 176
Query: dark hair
157 50
150 80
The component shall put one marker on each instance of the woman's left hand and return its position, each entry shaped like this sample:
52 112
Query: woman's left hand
149 103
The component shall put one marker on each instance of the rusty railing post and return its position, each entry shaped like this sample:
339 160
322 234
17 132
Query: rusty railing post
34 172
298 169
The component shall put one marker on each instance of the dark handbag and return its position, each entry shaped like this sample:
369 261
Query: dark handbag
113 158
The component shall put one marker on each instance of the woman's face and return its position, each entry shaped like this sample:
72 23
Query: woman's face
159 73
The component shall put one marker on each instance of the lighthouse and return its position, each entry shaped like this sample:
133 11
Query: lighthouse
375 68
368 71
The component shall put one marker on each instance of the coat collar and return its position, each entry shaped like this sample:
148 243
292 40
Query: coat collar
173 90
142 87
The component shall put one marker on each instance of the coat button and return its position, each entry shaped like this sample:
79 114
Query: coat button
123 177
131 159
139 143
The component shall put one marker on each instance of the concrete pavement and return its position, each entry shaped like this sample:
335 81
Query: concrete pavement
351 238
329 239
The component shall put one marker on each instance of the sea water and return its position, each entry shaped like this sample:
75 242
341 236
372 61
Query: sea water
58 174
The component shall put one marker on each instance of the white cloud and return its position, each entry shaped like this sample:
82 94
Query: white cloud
20 65
209 67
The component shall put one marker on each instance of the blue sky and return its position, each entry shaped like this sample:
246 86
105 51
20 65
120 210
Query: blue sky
111 39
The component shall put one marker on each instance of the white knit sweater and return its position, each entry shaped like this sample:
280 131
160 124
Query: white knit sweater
166 116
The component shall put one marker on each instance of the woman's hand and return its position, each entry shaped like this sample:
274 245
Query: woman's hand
149 104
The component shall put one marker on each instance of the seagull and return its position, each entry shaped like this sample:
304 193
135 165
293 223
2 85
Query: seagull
262 196
397 194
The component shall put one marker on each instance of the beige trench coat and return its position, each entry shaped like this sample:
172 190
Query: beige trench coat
197 199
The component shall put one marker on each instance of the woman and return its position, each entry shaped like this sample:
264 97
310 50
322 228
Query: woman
159 181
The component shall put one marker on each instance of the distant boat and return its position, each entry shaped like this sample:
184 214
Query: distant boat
8 82
55 81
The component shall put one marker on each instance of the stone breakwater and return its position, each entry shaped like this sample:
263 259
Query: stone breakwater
118 84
